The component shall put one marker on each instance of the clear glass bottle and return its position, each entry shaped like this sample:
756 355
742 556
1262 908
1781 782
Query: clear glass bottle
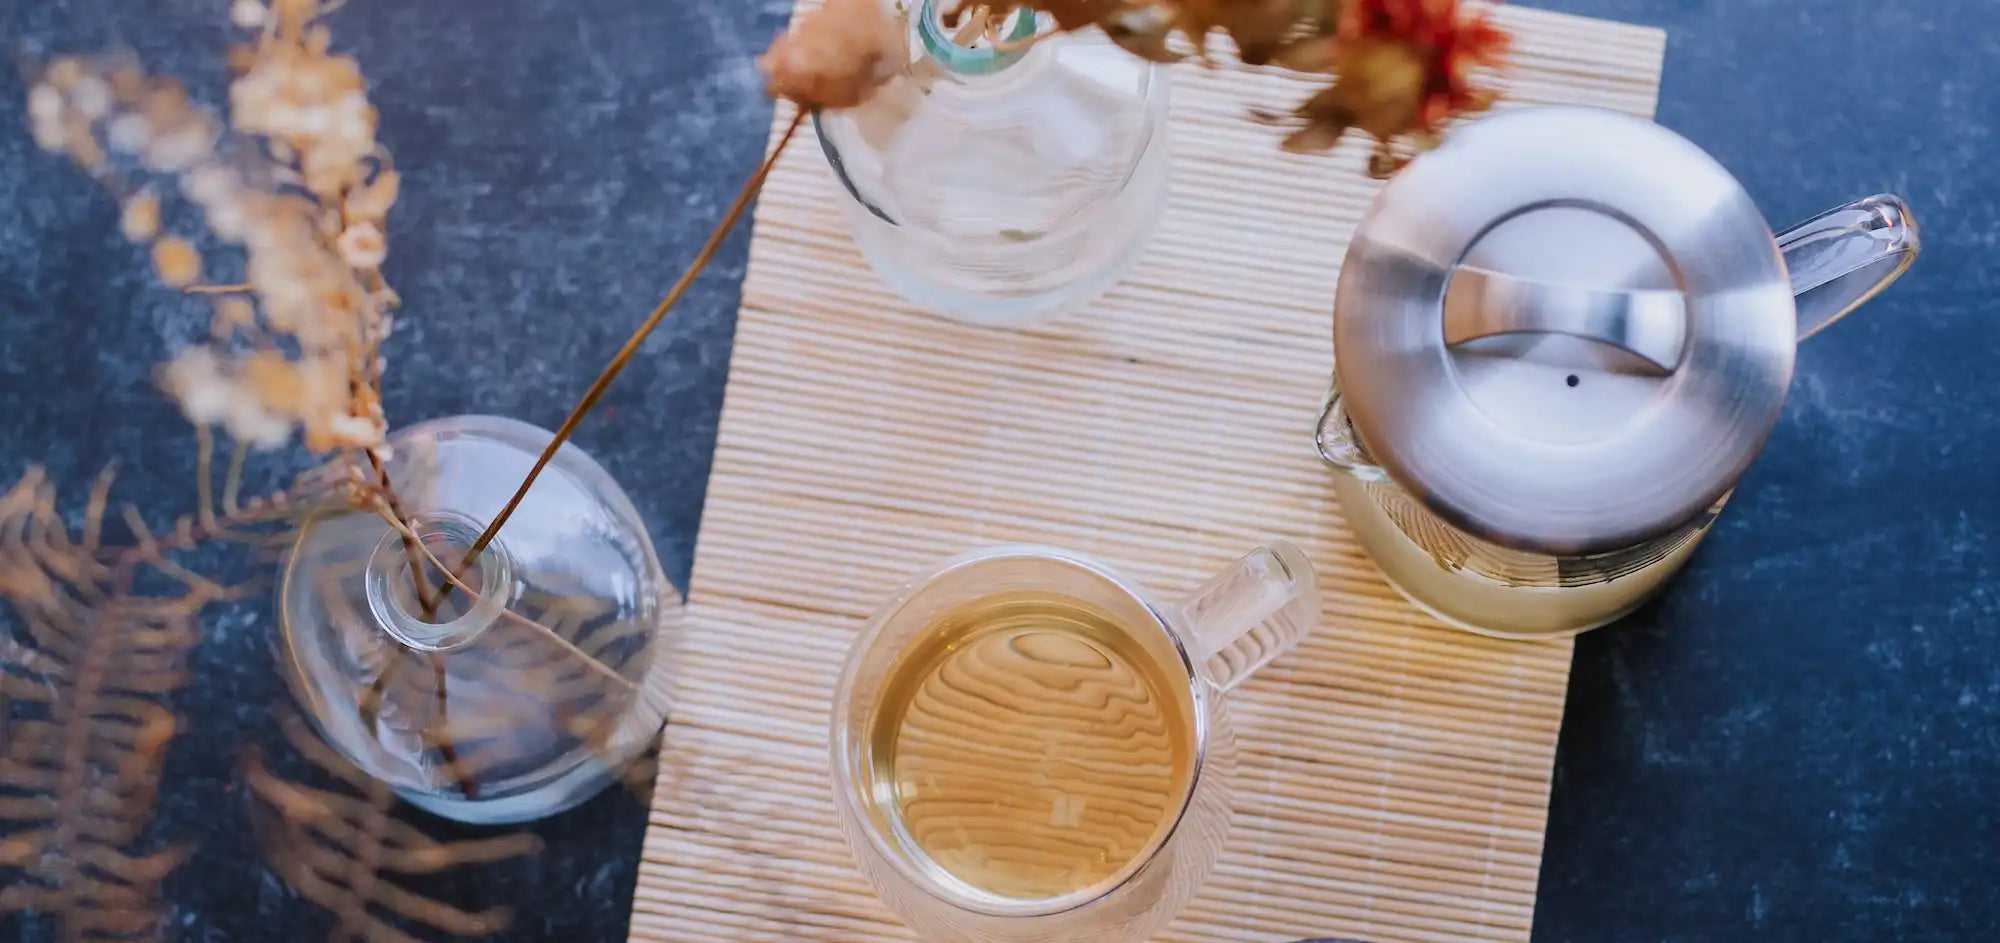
1004 184
518 697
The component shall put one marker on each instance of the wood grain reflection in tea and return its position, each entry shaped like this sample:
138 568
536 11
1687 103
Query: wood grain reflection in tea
1031 747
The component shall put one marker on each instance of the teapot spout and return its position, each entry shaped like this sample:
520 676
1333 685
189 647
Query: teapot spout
1843 257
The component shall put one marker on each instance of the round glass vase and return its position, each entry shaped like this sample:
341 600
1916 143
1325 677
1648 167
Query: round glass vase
516 695
1004 184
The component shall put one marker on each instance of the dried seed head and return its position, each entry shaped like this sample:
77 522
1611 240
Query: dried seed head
363 247
128 133
45 104
176 262
140 219
837 55
91 97
65 72
208 184
233 313
247 14
48 117
194 379
227 220
307 206
278 384
250 422
180 148
50 136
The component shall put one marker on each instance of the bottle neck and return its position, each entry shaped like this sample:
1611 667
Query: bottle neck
462 616
976 56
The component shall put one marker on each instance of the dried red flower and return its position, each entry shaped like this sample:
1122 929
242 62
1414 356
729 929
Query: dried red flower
1403 68
1451 44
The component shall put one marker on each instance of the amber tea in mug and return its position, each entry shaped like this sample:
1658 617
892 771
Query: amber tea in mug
1028 747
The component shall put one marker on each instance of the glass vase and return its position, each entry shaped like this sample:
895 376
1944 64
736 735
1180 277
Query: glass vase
521 692
1004 183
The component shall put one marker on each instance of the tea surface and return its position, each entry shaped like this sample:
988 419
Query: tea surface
1030 747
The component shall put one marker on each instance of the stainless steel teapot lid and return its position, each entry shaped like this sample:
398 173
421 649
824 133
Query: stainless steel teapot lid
1566 330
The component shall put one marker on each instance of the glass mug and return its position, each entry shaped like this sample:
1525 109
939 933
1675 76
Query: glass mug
1027 746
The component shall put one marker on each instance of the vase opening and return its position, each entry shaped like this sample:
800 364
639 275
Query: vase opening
974 56
459 616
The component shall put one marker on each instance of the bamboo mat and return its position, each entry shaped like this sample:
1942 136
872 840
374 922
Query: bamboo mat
1396 772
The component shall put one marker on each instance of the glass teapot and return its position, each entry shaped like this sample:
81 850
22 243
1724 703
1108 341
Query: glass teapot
1559 341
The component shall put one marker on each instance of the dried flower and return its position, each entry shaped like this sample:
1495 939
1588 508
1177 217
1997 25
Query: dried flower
194 379
91 97
247 14
232 313
835 56
312 259
140 218
128 133
100 633
1402 68
363 247
176 262
45 105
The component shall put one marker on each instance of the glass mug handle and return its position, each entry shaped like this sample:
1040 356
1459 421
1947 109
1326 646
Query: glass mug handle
1257 609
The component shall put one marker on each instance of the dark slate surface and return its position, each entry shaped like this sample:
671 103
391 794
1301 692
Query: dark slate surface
1800 741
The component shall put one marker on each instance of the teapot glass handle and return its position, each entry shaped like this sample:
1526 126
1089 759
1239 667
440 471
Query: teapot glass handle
1836 260
1843 257
1338 445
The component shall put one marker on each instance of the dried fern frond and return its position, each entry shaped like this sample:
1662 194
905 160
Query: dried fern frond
344 849
84 678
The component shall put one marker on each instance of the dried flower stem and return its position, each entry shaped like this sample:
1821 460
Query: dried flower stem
467 786
410 541
617 364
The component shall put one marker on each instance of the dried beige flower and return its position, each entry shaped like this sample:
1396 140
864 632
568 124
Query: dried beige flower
128 133
45 104
140 219
233 313
50 137
248 14
47 117
176 262
835 56
91 97
313 286
194 379
362 246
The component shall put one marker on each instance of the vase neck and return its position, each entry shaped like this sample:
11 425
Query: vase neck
462 616
979 58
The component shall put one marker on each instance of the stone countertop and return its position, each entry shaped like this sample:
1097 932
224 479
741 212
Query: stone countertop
1801 740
